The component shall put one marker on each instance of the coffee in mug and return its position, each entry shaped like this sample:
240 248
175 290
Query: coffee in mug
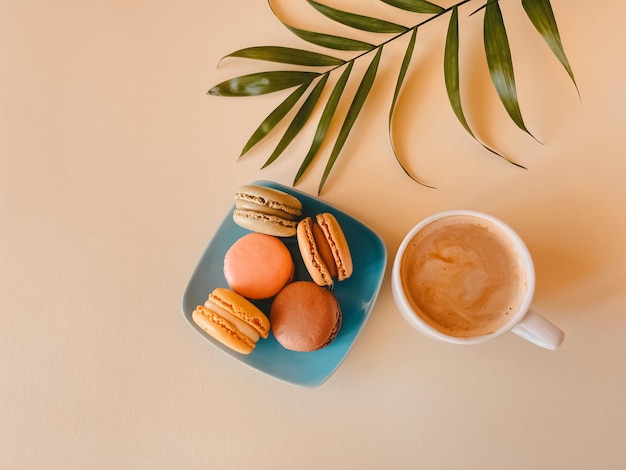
465 277
461 274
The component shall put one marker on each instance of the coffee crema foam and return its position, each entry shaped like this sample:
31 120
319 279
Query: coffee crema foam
461 274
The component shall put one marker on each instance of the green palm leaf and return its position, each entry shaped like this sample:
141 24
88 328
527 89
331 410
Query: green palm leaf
542 17
325 120
452 79
274 118
500 63
262 83
403 70
497 51
416 6
330 41
325 40
351 116
451 70
287 55
298 121
365 23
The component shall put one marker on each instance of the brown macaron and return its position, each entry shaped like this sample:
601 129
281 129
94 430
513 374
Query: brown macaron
305 317
324 249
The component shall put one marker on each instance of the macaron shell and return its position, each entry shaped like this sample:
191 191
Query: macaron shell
305 317
222 330
338 244
269 198
241 308
263 223
257 266
311 257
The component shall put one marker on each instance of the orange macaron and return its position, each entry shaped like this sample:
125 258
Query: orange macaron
258 266
324 249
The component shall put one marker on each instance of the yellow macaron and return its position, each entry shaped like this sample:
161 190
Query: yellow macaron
232 320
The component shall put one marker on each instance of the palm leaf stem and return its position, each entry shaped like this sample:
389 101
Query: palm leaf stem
391 39
482 7
409 30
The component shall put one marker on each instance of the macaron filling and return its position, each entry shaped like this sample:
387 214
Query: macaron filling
338 246
269 198
260 202
312 258
241 309
324 249
251 206
270 219
237 323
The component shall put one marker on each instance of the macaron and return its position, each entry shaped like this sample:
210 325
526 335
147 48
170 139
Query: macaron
258 266
324 249
305 317
232 320
266 210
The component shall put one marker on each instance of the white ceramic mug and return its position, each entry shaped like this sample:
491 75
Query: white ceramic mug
523 321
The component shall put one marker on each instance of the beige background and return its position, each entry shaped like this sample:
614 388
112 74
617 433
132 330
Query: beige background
116 169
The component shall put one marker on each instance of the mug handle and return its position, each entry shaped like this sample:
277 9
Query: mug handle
538 330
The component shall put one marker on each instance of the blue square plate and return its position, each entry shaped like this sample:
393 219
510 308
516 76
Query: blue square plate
356 295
